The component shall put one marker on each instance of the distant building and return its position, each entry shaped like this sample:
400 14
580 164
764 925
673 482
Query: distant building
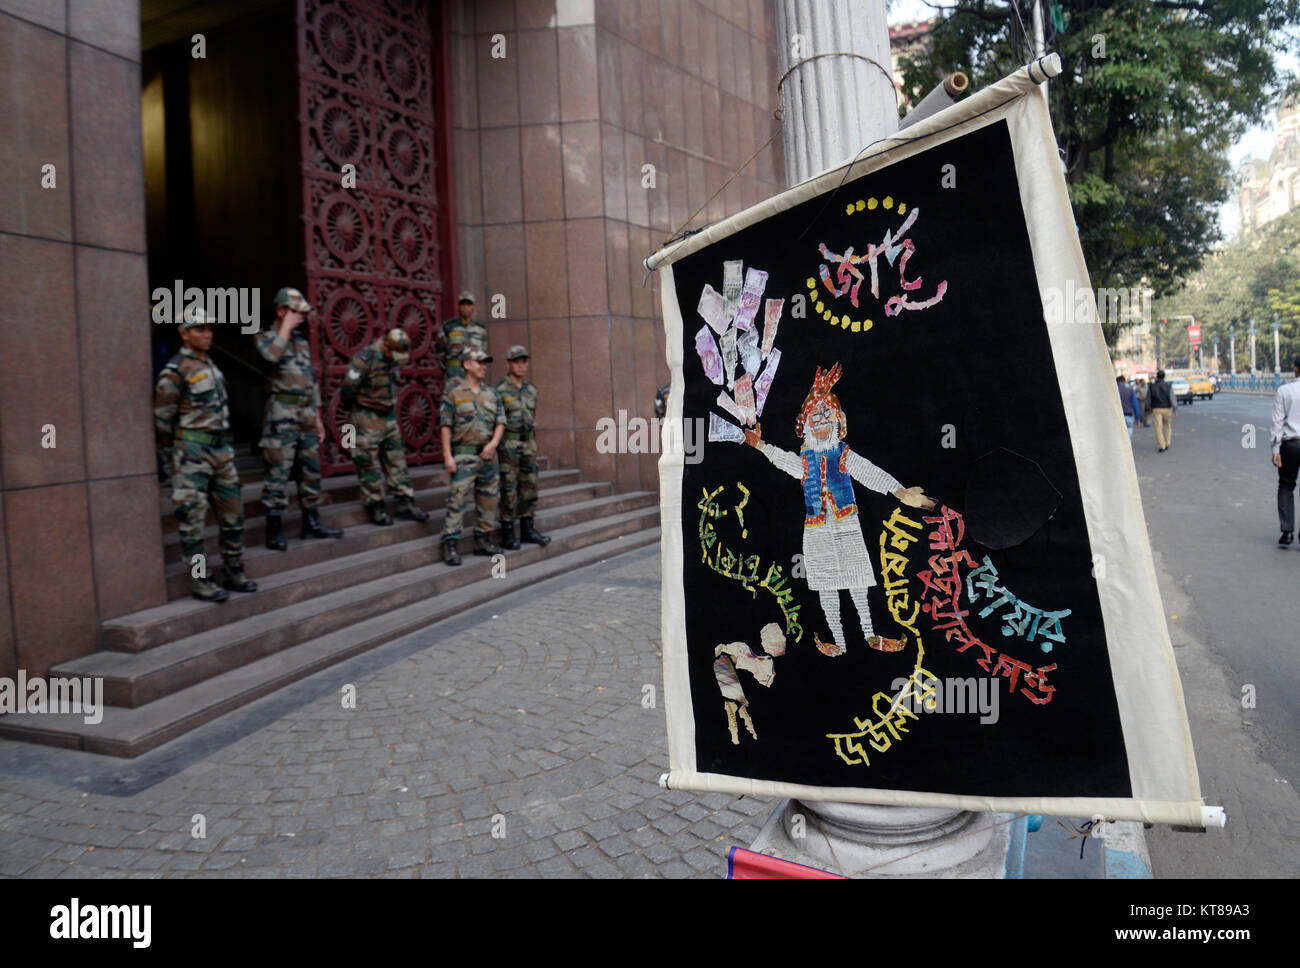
1271 188
905 39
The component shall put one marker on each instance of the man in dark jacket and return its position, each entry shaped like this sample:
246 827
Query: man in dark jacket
1128 402
1164 407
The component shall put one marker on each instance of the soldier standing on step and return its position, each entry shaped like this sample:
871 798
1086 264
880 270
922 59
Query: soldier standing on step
292 430
456 335
192 423
369 390
518 452
471 421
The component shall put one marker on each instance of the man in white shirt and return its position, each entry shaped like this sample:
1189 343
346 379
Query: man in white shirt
1285 437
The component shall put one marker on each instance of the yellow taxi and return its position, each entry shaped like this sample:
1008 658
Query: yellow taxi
1201 386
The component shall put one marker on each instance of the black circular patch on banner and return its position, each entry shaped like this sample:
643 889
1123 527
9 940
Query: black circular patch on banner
1008 498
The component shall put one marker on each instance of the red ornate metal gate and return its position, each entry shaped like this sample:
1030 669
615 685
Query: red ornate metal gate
377 252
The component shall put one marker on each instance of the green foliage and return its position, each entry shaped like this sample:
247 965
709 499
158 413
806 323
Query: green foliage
1254 277
1152 95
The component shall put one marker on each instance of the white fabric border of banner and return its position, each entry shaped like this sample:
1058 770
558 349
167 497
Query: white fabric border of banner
1162 764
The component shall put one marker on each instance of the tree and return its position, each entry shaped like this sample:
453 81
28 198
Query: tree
1152 95
1255 276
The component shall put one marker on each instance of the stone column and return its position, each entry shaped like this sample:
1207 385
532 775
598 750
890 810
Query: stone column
835 102
834 99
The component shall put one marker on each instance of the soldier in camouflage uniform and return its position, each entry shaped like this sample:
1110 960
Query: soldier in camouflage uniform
379 453
458 334
471 421
291 430
192 423
518 452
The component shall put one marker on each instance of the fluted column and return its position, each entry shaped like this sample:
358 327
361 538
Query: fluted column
834 99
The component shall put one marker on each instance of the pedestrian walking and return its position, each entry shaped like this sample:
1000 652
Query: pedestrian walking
471 422
369 389
518 452
192 425
1144 402
1164 407
1128 402
292 430
1285 437
456 335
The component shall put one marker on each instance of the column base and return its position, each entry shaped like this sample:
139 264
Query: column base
865 841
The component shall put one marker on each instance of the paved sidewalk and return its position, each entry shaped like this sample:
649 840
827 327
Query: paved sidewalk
530 720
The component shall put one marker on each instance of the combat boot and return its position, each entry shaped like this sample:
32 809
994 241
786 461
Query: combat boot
407 511
206 590
235 579
312 528
528 533
451 551
275 533
508 539
378 515
483 545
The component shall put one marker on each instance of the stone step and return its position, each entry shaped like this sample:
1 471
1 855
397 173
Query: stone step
342 489
186 616
353 513
128 732
259 561
135 679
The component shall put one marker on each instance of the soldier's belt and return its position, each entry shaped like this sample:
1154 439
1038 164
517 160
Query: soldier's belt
293 399
466 450
521 436
201 437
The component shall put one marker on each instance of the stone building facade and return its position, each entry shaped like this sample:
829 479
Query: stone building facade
543 176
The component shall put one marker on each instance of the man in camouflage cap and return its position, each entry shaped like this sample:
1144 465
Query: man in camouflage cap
471 421
518 452
192 423
369 390
292 430
458 334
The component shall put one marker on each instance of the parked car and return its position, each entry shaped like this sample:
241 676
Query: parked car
1201 386
1182 389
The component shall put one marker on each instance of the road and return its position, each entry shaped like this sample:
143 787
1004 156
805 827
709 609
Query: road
1232 598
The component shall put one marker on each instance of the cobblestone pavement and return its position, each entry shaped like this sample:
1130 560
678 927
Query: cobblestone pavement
530 720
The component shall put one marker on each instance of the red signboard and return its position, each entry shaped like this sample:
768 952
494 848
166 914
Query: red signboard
1194 335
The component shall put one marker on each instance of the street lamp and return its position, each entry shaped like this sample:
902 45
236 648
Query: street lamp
1232 354
1252 332
1277 351
1191 348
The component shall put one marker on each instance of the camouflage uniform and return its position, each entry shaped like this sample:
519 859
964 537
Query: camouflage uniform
192 423
473 418
518 451
454 337
379 453
289 427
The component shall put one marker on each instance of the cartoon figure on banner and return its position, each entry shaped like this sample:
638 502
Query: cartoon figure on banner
835 554
731 659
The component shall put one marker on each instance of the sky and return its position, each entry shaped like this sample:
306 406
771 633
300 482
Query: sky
1256 142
